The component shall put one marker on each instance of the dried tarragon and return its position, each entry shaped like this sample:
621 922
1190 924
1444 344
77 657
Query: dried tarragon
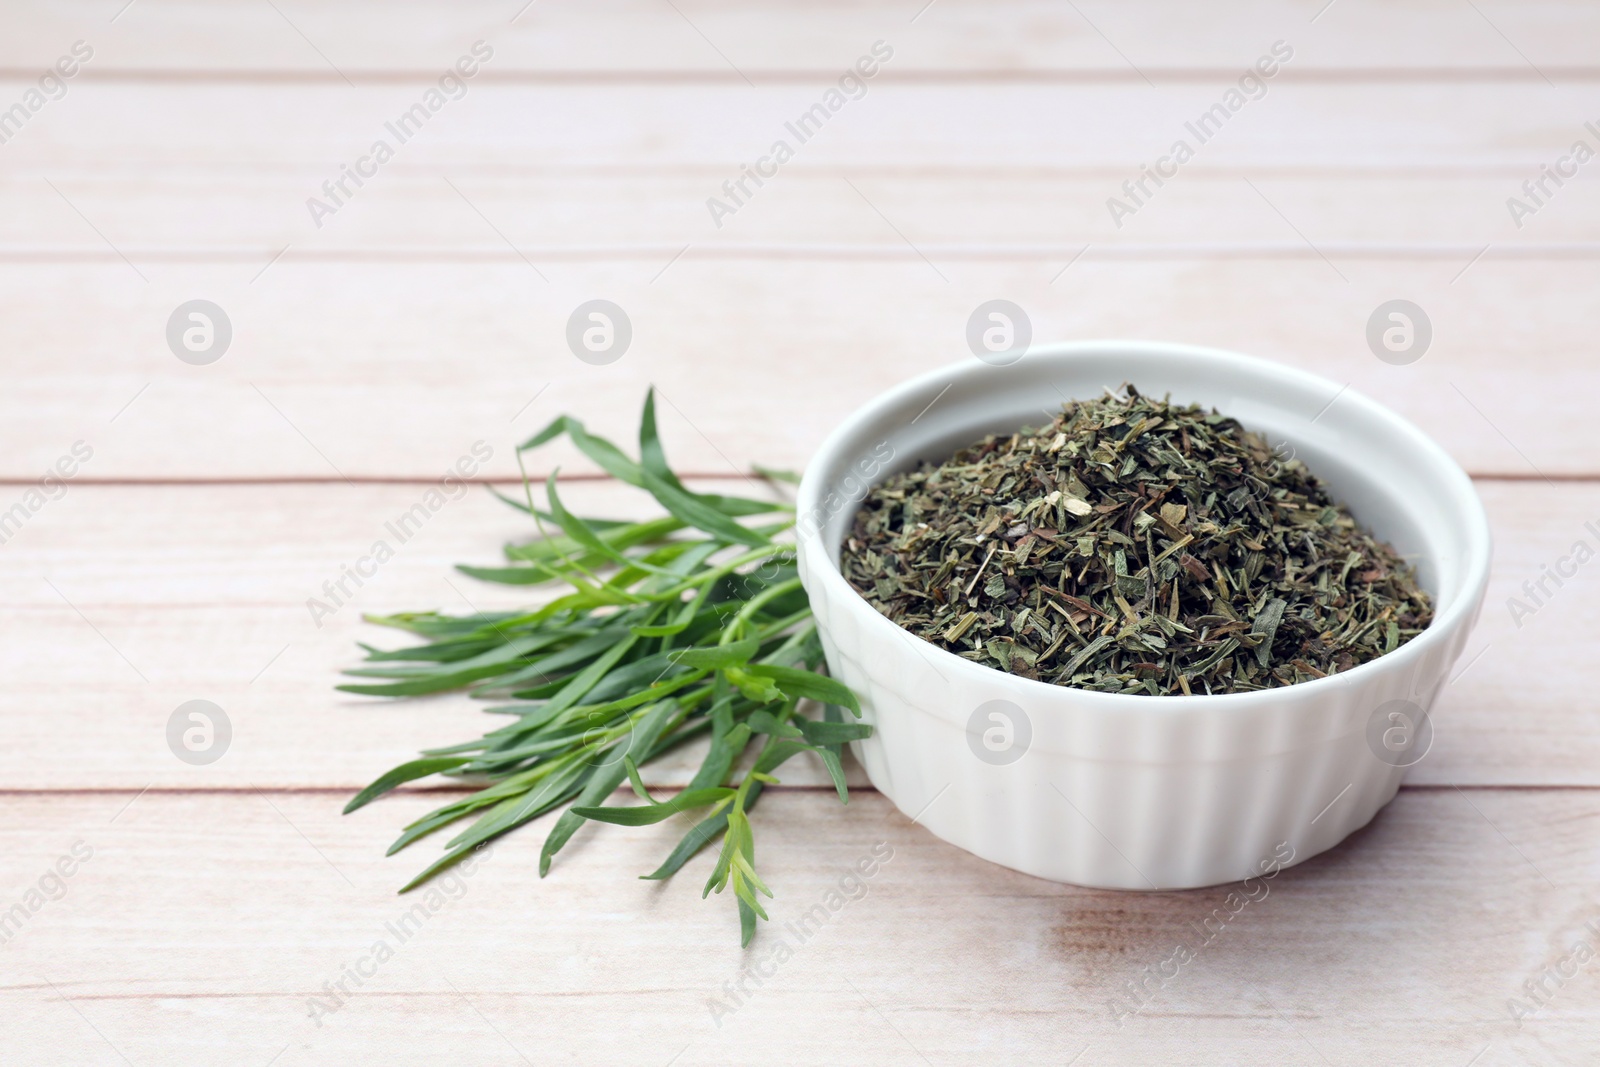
1133 546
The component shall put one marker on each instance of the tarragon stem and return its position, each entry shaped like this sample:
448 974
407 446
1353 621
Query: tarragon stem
688 626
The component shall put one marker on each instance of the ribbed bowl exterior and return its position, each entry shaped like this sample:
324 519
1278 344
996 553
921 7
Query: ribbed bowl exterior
1164 799
1126 792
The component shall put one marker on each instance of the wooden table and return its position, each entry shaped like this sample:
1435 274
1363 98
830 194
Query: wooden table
375 339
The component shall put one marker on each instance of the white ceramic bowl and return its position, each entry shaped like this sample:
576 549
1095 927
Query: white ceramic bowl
1141 792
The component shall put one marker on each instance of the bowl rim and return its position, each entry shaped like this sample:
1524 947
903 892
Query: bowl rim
1441 630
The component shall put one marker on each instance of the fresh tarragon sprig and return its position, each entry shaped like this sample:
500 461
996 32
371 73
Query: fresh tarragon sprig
688 625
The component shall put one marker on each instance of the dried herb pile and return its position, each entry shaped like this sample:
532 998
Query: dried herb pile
1133 546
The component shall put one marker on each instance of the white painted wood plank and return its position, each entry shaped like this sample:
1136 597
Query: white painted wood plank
157 215
204 593
203 590
909 124
201 926
395 369
206 920
707 38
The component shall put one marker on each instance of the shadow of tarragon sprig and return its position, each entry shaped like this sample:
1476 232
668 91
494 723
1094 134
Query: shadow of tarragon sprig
693 624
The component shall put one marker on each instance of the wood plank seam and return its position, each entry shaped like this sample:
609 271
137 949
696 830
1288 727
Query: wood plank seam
1088 76
1577 251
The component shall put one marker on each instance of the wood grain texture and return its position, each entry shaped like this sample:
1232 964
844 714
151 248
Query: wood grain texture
223 125
1164 40
428 314
186 592
467 281
202 926
155 596
395 369
159 215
